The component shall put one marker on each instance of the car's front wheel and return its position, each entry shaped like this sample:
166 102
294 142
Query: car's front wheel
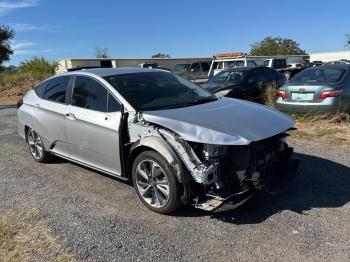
36 146
155 183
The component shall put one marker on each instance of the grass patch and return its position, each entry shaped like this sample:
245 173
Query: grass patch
269 95
14 86
326 129
23 237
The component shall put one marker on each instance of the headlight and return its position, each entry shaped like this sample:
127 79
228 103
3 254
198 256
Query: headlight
222 93
213 151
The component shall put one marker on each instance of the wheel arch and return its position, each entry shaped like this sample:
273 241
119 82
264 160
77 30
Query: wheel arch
160 146
26 132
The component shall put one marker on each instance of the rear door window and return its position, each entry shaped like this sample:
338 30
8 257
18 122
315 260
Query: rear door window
256 76
89 94
268 73
56 89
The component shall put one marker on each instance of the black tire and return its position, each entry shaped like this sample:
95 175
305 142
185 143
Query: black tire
44 156
174 195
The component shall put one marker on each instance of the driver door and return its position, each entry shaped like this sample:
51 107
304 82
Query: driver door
92 124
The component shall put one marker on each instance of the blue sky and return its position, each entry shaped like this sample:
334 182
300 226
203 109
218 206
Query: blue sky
72 28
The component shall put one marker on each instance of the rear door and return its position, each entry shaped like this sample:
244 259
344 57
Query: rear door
92 123
49 114
255 82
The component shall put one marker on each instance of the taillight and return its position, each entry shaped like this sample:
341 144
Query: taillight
283 94
331 93
19 103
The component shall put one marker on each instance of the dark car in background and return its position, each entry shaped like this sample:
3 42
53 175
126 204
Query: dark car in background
321 89
245 83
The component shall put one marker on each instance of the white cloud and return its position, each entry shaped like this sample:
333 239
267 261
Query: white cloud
22 27
6 6
22 45
23 48
29 48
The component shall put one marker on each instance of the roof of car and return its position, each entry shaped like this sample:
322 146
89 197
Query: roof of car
114 71
339 66
242 68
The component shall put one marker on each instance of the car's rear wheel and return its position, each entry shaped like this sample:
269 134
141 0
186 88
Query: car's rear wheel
155 183
36 147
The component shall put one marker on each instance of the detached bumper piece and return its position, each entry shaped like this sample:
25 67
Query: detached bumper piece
232 201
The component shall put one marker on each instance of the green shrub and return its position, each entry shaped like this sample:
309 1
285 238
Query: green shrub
38 66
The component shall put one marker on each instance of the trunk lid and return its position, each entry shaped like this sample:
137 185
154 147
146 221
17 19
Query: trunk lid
306 92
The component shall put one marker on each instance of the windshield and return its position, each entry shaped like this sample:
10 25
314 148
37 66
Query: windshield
158 90
181 67
230 76
319 75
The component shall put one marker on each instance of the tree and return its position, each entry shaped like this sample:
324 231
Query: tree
38 65
161 55
8 69
101 52
6 34
276 46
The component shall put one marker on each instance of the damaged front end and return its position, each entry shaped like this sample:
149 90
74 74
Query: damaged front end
216 175
230 174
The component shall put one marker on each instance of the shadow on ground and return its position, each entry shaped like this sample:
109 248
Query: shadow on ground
321 183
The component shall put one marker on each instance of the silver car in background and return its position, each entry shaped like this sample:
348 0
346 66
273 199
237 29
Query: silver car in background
322 89
176 142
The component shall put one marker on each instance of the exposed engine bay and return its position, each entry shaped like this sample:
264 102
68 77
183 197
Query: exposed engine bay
219 174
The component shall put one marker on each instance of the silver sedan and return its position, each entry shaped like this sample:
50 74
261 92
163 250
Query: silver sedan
321 89
175 141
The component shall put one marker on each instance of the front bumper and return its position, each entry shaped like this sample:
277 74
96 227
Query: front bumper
280 177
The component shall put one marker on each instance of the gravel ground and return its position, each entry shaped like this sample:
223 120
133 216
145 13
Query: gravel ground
99 218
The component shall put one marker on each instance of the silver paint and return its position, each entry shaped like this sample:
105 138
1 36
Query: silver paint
224 122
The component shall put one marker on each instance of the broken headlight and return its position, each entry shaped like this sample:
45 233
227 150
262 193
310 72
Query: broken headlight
222 93
210 152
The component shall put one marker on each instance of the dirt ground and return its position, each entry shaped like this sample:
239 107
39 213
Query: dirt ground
68 212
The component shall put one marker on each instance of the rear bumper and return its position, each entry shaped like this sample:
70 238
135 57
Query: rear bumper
312 108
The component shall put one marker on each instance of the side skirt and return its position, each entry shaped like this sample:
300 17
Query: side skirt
90 166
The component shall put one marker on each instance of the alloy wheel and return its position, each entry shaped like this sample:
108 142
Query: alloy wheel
152 183
35 144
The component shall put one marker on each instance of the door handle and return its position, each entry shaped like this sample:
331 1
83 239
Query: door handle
37 105
107 117
70 116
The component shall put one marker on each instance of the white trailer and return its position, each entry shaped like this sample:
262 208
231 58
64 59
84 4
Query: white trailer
330 56
70 63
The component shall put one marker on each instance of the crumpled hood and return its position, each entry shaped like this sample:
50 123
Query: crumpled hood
226 121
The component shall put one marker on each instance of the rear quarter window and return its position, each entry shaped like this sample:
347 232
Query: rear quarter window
40 89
